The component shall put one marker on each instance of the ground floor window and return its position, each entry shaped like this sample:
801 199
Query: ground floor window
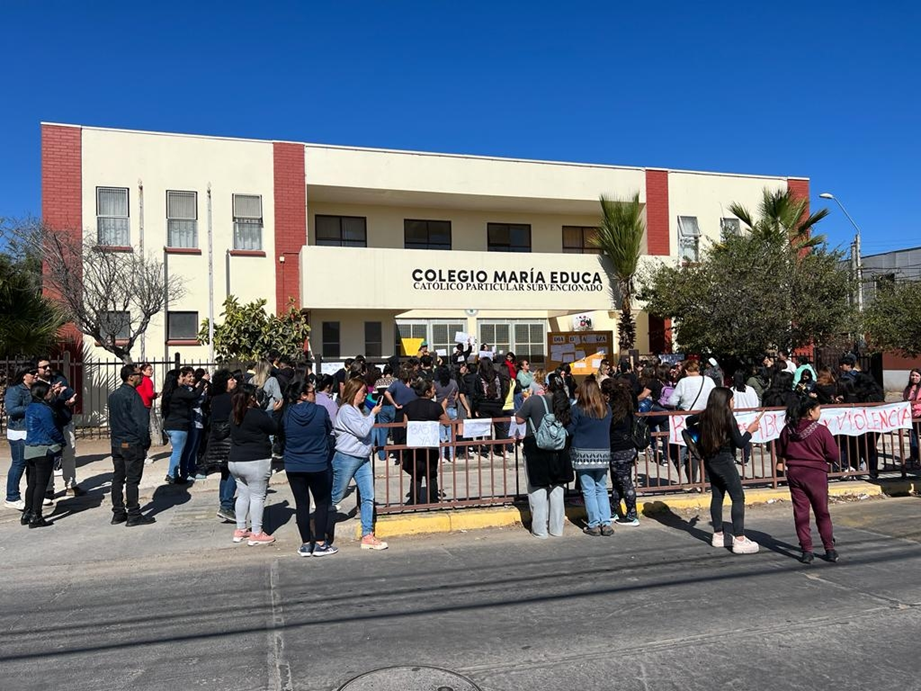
332 340
526 339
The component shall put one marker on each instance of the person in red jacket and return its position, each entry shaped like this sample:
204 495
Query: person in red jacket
806 448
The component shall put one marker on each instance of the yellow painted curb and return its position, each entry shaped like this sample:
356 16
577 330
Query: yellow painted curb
393 525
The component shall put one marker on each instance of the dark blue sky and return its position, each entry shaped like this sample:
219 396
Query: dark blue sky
828 90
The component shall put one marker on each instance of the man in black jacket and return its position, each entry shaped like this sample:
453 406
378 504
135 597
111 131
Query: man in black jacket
129 428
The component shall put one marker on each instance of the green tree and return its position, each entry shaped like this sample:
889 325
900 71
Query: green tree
783 216
620 238
248 332
29 322
892 321
754 292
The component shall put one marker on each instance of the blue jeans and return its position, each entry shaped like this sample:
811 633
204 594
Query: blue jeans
189 460
445 434
177 440
227 490
346 467
595 492
17 468
381 433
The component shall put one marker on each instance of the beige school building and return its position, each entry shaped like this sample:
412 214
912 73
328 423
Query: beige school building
376 244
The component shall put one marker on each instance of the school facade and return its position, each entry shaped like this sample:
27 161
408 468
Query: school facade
378 245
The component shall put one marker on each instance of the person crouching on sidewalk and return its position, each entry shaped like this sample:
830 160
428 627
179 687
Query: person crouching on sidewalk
806 448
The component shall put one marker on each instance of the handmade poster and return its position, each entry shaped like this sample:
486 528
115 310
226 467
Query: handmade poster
422 434
461 337
411 345
848 421
517 431
330 367
478 427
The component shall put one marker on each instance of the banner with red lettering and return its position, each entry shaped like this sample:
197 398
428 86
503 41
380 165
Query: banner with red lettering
851 421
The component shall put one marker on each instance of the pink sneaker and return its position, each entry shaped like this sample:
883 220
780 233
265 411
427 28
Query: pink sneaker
371 542
260 539
240 535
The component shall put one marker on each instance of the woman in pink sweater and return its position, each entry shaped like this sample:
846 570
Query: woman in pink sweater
912 393
806 447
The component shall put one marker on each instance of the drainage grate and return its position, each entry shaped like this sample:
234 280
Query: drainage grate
410 679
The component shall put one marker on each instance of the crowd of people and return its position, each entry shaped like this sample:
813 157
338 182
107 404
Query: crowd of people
323 430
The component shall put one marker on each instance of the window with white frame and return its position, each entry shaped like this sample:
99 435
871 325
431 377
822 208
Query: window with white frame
730 227
524 338
247 222
182 219
112 223
689 238
438 333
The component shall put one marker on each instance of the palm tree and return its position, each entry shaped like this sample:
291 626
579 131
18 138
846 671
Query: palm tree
783 216
29 322
620 238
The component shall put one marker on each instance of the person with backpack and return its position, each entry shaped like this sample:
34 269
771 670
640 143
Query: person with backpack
719 441
489 394
623 451
590 429
806 449
546 455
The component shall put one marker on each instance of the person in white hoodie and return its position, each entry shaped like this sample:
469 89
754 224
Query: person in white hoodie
354 442
691 393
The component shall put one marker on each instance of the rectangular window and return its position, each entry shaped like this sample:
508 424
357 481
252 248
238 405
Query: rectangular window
426 235
526 339
247 222
341 231
689 238
442 336
730 227
112 224
115 325
418 329
332 345
580 240
182 219
508 237
182 326
373 339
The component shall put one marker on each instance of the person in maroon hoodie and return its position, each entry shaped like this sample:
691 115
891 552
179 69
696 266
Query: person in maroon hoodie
806 448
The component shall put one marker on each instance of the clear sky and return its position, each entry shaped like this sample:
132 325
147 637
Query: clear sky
826 90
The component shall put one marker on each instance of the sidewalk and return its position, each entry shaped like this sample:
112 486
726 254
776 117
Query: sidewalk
94 473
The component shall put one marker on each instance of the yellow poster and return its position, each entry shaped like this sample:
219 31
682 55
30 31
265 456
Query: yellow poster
411 346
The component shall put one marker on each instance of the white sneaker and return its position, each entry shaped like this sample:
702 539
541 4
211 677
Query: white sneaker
19 504
148 461
719 539
59 472
742 545
47 502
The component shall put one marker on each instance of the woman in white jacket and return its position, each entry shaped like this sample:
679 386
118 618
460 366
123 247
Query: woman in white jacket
354 442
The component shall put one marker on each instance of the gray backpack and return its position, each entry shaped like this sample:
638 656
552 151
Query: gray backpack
551 435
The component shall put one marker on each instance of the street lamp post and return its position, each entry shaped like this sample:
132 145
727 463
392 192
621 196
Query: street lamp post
859 262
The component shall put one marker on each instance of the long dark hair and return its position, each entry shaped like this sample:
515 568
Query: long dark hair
240 401
219 381
444 375
799 409
39 390
487 373
170 384
738 381
716 421
619 398
559 399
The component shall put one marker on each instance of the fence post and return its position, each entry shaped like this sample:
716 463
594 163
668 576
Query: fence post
176 359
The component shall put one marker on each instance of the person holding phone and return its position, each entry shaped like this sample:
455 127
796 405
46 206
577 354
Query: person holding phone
720 439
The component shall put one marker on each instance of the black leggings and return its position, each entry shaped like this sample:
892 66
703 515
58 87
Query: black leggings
724 479
318 484
622 486
38 472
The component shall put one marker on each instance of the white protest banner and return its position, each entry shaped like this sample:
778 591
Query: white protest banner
478 427
331 367
461 337
848 421
422 434
517 431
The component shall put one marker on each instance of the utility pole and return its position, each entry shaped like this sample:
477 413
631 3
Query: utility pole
856 258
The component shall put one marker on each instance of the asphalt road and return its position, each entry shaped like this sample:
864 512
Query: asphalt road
88 606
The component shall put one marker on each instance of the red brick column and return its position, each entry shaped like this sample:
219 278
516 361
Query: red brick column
658 243
658 239
62 211
290 221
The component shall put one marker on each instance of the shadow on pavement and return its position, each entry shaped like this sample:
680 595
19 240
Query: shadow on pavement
166 497
277 516
658 511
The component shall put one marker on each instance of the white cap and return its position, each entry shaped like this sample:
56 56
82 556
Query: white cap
712 361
